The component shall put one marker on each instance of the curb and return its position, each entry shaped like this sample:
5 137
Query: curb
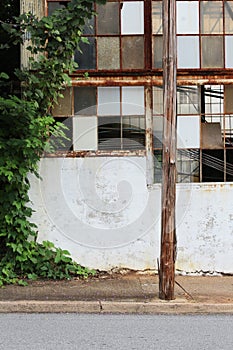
113 307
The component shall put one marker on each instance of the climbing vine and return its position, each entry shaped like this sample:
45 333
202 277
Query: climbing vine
25 124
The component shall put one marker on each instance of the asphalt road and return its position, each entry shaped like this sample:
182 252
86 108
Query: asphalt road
88 332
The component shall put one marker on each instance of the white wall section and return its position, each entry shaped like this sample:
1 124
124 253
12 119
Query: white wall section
102 211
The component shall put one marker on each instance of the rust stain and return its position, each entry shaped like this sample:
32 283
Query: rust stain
84 154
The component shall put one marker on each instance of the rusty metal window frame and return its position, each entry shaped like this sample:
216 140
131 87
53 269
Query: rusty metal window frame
142 39
149 77
221 36
124 42
132 140
211 160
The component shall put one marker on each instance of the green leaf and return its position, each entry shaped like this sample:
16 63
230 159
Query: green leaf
22 283
58 38
4 76
32 276
7 27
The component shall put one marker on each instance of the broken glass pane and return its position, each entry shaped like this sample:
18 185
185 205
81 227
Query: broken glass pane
133 133
109 133
87 58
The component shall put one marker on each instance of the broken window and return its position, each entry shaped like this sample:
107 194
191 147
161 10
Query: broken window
117 39
204 132
203 30
104 118
128 35
126 48
188 165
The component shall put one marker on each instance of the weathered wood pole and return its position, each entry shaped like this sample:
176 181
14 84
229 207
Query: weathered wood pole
168 226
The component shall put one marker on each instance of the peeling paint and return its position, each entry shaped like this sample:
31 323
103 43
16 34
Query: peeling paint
80 206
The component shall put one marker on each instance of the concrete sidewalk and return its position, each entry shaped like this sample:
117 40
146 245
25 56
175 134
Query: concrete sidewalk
133 292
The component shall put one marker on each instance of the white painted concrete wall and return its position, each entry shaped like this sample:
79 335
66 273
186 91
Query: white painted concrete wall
101 210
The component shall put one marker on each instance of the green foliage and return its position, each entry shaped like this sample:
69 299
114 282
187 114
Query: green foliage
25 126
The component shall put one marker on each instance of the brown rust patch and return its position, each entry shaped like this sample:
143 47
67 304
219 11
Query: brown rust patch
85 154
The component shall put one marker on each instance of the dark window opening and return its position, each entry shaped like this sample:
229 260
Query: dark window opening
64 144
9 58
212 165
109 133
229 165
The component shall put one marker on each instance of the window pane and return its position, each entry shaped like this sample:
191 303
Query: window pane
64 106
188 166
133 100
187 17
132 17
188 132
229 17
85 133
52 6
157 17
157 131
108 53
188 100
212 52
157 51
211 134
188 52
109 133
229 131
85 100
211 17
158 166
133 52
89 27
86 59
214 99
108 101
157 100
229 51
61 144
133 132
228 94
108 18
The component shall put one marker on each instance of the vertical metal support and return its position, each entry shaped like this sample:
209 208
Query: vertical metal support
149 136
168 226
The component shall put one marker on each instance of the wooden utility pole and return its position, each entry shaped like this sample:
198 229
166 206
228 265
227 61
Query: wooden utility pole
168 226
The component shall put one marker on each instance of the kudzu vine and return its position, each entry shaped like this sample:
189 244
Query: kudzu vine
25 124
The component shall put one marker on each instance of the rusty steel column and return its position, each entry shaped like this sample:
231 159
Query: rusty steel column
168 225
